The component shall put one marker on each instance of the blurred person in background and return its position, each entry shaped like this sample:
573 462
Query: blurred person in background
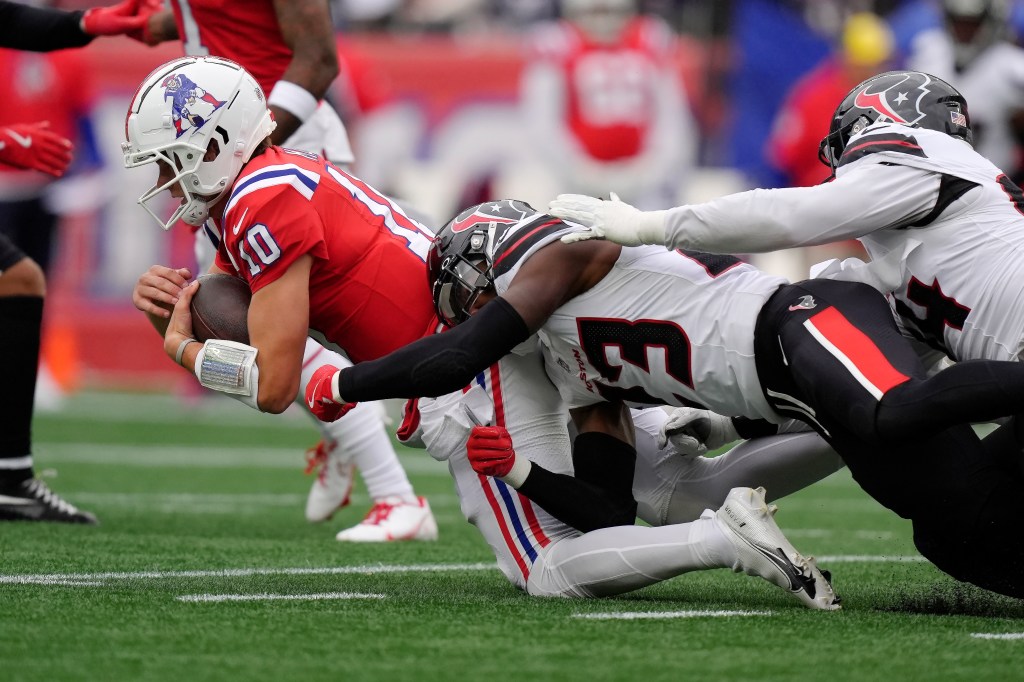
604 106
973 50
865 48
54 87
34 146
289 47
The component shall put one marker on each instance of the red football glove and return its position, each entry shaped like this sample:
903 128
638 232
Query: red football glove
490 451
321 397
128 17
35 147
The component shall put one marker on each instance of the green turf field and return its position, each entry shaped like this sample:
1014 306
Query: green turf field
208 500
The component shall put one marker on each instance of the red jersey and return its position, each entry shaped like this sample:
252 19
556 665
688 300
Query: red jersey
610 102
368 289
803 120
244 31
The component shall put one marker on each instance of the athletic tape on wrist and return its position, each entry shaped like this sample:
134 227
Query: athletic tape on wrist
293 98
227 366
516 476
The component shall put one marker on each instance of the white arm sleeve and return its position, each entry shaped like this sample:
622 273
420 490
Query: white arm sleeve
870 197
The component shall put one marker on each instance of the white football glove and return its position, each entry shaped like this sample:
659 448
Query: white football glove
694 432
614 220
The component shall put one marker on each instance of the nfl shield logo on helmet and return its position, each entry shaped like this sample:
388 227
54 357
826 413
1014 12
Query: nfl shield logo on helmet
191 105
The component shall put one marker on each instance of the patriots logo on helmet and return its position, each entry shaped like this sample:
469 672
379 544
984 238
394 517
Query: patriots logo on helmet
191 105
504 211
899 102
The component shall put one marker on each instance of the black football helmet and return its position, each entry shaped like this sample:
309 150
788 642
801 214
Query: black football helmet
912 98
460 260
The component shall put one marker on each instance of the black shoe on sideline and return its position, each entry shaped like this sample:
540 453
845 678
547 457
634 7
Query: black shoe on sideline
32 500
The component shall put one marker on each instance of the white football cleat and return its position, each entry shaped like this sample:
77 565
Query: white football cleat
763 550
392 519
332 488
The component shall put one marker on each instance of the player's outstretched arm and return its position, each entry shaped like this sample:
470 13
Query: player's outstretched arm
128 18
612 219
307 30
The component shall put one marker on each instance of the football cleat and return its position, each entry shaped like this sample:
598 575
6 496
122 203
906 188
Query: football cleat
392 519
763 550
332 488
32 500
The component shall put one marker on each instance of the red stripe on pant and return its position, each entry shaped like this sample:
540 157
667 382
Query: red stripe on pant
858 348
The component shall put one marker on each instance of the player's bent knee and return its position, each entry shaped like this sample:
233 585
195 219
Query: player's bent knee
548 579
24 278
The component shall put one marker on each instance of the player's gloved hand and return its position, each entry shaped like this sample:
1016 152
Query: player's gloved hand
322 395
694 432
614 220
490 453
128 17
35 147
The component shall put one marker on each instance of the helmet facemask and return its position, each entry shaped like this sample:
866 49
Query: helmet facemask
185 159
462 278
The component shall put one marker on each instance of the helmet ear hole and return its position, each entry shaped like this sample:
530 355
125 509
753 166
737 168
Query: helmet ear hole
212 150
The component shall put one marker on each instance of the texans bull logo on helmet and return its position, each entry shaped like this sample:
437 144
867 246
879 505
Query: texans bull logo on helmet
191 105
507 211
905 96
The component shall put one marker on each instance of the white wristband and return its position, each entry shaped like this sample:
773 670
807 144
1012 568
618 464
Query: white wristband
293 98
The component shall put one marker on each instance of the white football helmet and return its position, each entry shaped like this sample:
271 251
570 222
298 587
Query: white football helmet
177 111
602 20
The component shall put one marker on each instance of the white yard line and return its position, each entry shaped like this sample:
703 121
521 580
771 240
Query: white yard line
91 578
206 598
646 615
997 635
868 559
195 456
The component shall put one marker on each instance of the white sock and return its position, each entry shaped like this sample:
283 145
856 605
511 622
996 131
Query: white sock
360 435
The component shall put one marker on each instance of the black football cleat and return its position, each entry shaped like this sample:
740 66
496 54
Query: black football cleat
32 500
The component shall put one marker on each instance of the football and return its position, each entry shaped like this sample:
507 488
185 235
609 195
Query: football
220 309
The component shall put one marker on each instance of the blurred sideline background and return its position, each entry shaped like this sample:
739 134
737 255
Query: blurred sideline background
434 94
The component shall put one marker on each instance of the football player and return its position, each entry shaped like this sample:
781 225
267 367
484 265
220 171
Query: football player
273 192
604 104
649 326
540 547
289 47
320 248
23 497
974 51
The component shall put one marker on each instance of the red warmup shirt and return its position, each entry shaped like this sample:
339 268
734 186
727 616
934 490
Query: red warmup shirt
803 120
368 289
610 94
244 31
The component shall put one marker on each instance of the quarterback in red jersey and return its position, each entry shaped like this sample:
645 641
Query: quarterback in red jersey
289 48
319 248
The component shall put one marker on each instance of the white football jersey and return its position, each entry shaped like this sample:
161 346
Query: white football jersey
962 287
992 83
661 328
